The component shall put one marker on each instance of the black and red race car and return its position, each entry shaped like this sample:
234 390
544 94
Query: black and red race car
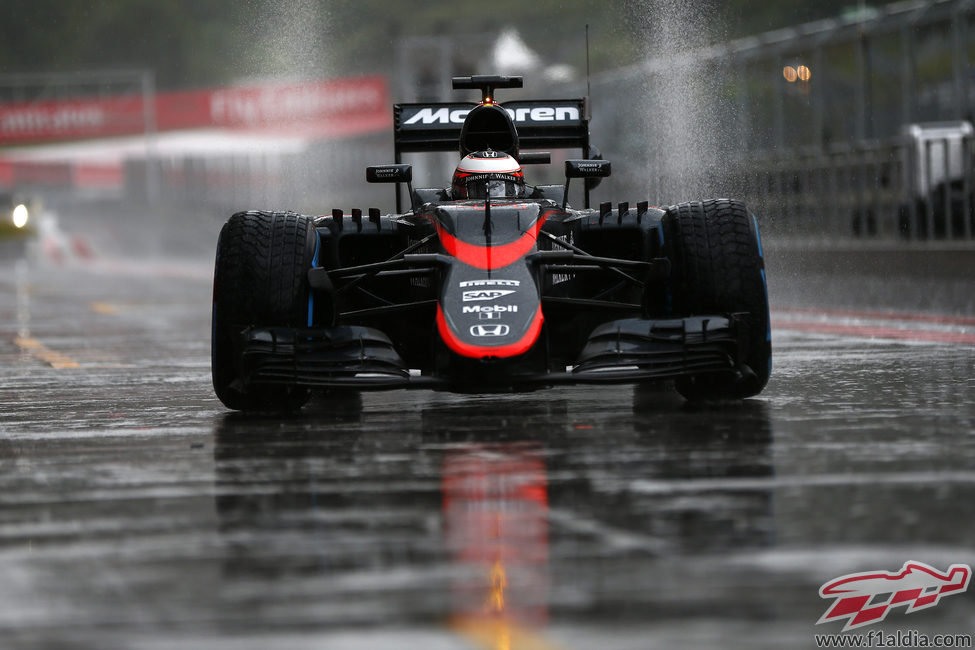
490 285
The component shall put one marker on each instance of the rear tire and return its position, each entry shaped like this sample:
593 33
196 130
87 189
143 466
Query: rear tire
718 268
260 279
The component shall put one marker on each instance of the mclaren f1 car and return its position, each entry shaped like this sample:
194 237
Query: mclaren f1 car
490 285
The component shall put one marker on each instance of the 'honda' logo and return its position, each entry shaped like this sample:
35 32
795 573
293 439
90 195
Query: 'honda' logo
490 330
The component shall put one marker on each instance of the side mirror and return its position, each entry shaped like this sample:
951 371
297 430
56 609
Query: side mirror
588 168
393 174
594 154
389 174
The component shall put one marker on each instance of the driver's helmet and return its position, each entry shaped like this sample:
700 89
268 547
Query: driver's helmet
488 173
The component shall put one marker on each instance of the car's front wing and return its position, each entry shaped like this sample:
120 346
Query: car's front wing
621 351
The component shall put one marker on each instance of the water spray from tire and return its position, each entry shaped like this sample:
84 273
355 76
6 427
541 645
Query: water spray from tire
683 114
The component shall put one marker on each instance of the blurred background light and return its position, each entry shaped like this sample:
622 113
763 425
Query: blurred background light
20 215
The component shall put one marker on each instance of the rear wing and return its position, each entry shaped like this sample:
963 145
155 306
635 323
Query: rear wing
541 124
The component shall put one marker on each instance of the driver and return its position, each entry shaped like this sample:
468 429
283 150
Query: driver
488 174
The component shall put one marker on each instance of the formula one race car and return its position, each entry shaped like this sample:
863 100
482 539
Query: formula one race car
490 285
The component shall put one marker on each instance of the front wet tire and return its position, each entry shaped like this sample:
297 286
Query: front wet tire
260 279
718 268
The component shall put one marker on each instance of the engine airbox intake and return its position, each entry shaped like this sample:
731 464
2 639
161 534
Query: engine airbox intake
488 126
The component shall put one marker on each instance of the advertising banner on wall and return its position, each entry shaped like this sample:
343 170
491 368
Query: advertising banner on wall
326 109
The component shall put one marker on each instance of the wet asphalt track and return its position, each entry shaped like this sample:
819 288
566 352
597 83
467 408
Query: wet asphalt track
135 512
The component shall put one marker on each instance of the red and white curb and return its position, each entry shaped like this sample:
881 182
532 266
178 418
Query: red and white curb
880 325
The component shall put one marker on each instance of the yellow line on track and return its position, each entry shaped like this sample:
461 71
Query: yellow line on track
47 355
502 635
105 308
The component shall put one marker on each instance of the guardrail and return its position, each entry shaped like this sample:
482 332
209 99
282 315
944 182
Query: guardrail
883 189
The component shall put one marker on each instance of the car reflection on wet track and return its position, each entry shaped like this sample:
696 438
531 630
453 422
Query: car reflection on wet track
438 522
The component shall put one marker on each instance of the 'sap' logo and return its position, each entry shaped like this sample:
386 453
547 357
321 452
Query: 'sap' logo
865 598
486 294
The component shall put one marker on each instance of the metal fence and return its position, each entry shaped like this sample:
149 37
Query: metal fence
813 125
883 189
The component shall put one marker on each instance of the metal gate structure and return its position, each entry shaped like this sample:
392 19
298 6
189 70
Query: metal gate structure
855 127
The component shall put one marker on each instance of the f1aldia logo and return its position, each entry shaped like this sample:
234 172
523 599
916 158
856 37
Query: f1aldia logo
866 598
